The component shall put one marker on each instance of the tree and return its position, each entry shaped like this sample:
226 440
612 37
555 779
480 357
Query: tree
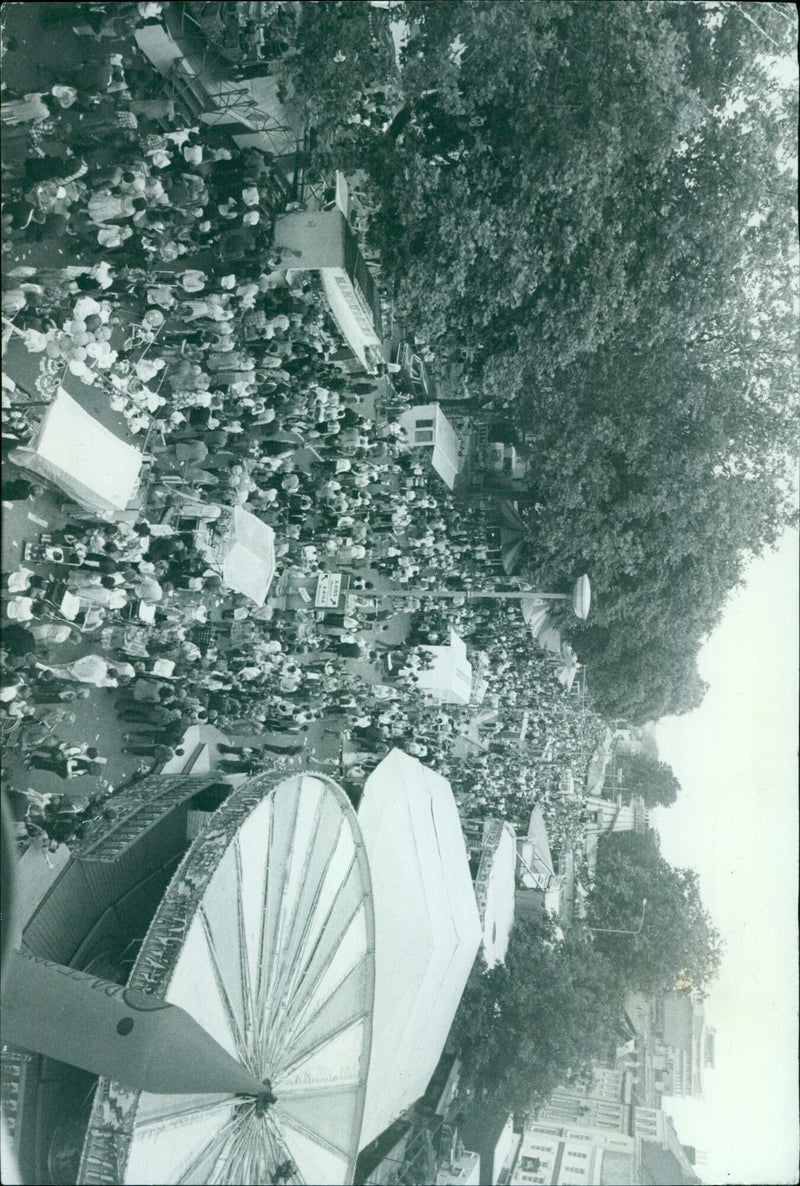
342 58
605 221
677 941
654 781
534 1023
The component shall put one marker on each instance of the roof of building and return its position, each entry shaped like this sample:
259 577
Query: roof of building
678 1010
480 1131
668 1164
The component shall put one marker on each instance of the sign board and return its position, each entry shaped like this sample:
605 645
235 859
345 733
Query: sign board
332 590
329 586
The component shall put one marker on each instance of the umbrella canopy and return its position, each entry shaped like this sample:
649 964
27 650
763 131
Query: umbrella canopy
567 669
534 614
265 937
513 536
450 676
549 639
427 929
243 548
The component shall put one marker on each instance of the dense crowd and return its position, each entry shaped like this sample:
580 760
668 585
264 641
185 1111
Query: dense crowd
174 307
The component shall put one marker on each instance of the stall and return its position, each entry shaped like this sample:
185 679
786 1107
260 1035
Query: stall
324 241
426 426
78 454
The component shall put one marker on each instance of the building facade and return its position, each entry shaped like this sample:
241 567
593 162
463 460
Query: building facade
570 1154
690 1044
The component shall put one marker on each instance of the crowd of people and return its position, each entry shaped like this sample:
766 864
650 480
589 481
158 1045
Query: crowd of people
219 362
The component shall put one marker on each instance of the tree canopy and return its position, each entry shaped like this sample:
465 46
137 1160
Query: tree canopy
677 943
654 781
604 220
530 1025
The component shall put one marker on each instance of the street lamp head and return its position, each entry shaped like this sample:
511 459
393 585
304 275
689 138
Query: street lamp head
581 597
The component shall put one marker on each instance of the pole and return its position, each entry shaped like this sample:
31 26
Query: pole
469 594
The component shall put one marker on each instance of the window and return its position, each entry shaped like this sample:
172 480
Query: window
424 423
423 436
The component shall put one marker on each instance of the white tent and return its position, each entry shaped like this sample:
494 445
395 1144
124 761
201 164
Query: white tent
537 868
495 889
82 457
450 677
243 548
427 425
427 930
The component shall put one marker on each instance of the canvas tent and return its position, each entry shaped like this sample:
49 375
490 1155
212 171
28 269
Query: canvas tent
427 929
536 864
243 550
450 677
495 889
83 458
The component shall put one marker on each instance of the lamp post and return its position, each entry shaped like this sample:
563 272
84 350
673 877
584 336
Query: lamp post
615 930
580 595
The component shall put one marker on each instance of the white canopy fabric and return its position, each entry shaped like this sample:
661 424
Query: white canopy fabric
445 449
495 890
265 937
535 851
427 929
243 548
534 614
439 434
450 677
567 669
82 457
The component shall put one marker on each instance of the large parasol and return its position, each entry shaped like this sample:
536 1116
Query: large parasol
427 929
242 548
266 938
513 536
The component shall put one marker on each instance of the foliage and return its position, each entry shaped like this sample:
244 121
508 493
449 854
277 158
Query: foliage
604 220
534 1023
677 941
654 781
343 55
